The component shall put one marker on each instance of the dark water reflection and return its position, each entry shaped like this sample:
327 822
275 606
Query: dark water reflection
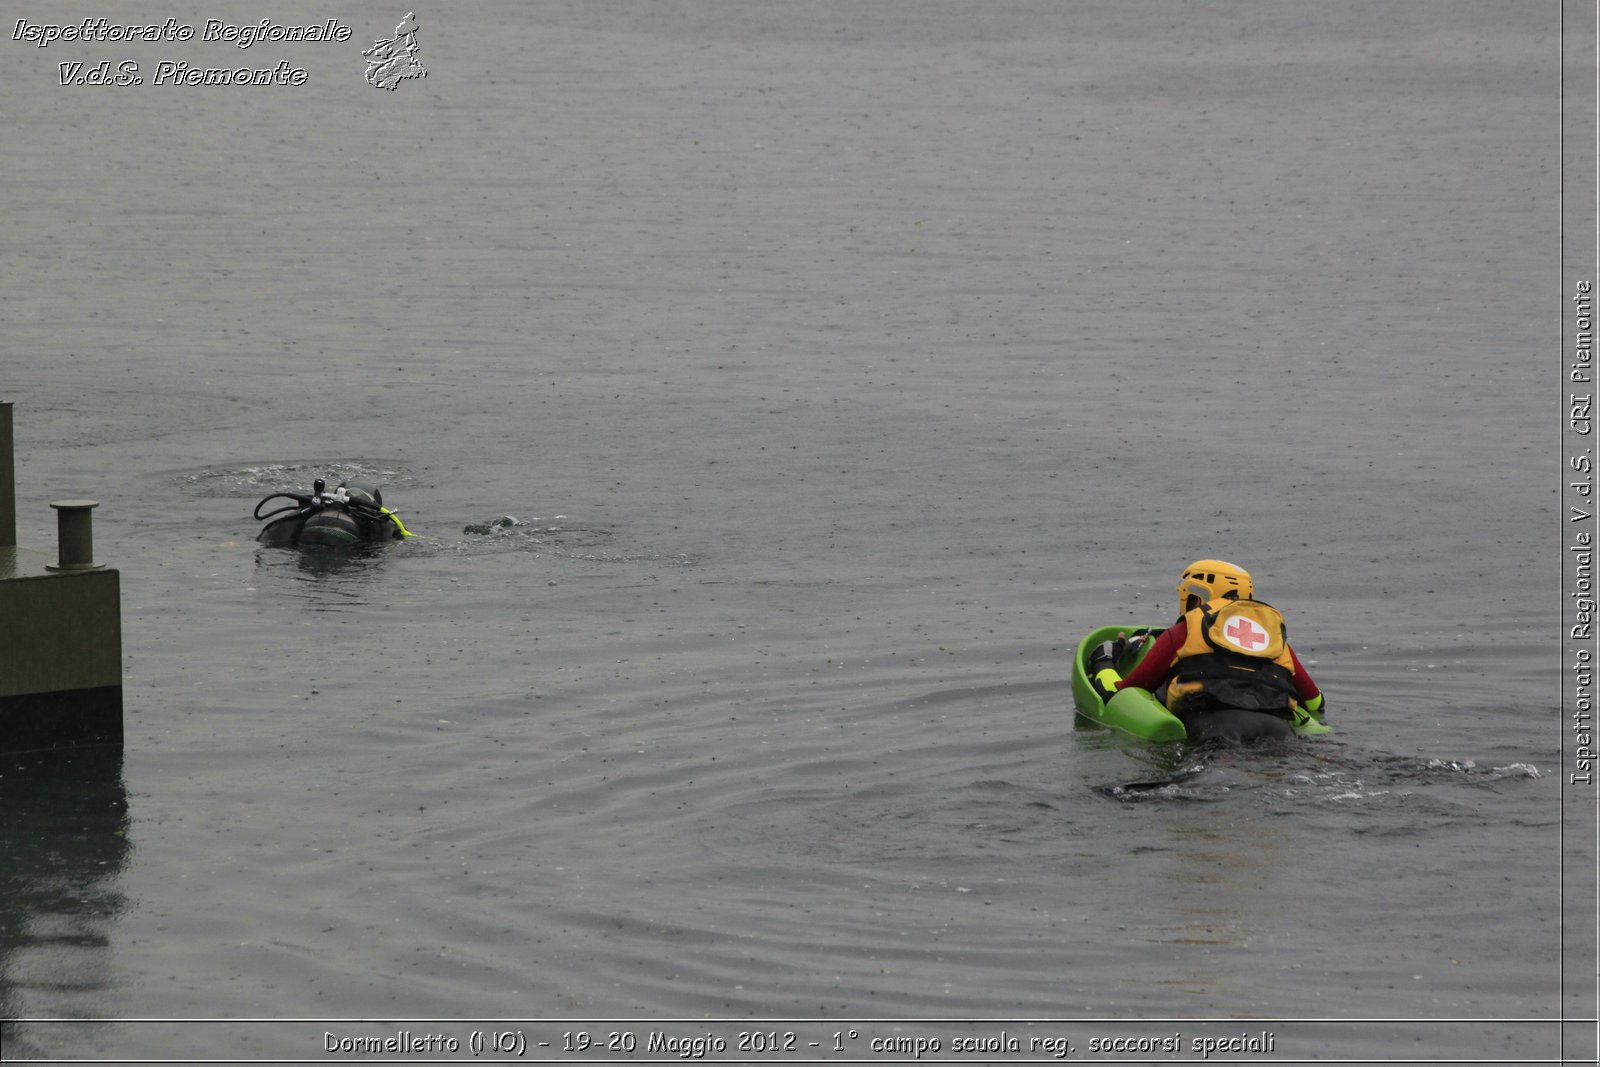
63 848
325 579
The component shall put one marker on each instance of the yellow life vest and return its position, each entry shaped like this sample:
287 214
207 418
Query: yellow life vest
1235 654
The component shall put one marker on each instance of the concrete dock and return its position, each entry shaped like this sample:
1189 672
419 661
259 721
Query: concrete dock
60 629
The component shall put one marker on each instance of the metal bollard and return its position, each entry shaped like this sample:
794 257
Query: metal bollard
75 536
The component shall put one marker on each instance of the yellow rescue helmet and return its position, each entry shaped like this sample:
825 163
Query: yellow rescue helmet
1213 579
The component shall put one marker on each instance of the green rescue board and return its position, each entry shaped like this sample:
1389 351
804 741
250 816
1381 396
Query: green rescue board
1136 711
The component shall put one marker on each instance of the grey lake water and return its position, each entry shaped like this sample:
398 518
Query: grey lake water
837 365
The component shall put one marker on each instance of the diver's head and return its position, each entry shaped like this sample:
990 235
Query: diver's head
362 493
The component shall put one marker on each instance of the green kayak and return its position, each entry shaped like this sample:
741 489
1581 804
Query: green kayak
1134 710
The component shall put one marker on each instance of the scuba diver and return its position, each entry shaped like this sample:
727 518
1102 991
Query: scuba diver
1225 668
350 515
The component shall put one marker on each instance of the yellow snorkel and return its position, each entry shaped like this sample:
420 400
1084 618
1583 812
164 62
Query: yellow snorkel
404 533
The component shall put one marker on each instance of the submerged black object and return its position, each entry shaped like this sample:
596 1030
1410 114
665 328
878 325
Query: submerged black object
1237 726
352 514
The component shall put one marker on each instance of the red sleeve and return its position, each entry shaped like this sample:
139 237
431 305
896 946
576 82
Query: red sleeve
1304 687
1152 670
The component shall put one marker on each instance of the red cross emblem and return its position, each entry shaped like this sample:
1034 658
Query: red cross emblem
1245 634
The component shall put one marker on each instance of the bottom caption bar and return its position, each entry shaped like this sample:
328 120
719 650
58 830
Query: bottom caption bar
283 1041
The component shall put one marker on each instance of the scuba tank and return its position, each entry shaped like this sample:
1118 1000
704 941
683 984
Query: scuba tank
350 515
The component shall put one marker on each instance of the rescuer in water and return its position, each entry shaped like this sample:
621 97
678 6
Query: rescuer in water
1225 668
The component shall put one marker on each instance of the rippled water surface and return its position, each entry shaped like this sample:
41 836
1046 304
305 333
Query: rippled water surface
777 393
